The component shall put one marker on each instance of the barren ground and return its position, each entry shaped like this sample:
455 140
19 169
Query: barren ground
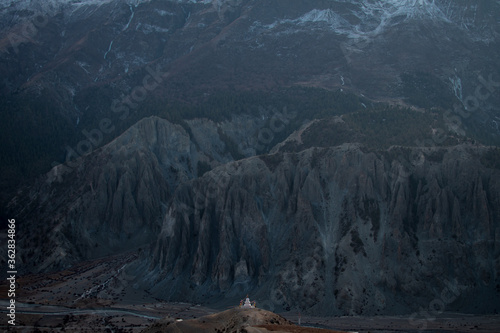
99 296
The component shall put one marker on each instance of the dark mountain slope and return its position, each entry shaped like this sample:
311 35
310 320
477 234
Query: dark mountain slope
323 223
332 230
71 62
338 231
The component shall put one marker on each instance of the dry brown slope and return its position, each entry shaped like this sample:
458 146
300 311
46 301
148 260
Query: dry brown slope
236 320
292 329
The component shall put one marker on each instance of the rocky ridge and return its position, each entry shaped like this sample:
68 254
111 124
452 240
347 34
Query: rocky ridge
331 230
321 223
103 202
68 64
100 203
337 231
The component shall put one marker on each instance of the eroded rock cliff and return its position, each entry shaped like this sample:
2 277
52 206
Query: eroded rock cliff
112 199
338 231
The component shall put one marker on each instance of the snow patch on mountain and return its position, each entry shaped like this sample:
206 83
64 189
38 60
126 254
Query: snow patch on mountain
132 13
316 15
377 16
47 6
364 20
148 28
426 9
52 7
327 16
164 12
456 85
109 49
198 1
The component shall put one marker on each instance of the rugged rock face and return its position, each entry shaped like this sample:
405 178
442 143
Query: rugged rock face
104 201
112 199
329 230
338 231
315 225
115 197
69 61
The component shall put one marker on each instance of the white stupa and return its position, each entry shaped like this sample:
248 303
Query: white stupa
247 304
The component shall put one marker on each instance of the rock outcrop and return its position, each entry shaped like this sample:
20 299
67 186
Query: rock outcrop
325 230
112 199
338 231
126 60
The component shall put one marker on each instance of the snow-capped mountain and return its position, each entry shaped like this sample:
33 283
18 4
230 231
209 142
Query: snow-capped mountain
369 18
77 74
362 19
371 15
72 49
